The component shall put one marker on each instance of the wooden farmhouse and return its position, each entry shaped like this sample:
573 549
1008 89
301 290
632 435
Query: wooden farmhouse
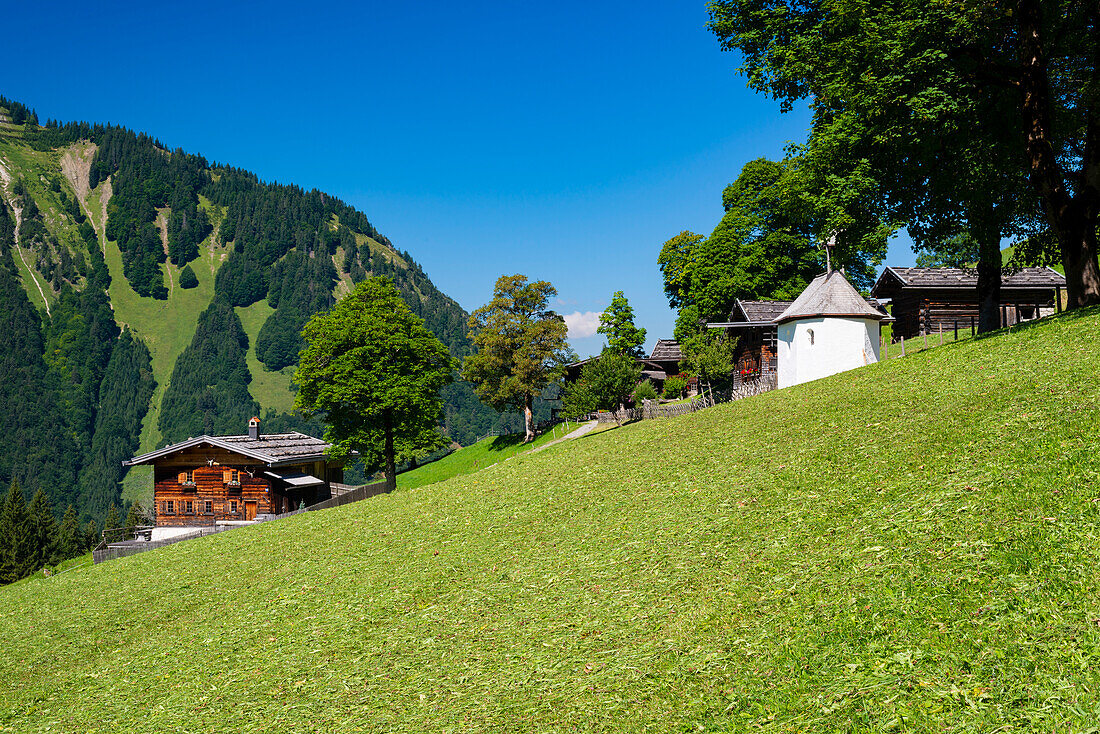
210 480
753 324
930 300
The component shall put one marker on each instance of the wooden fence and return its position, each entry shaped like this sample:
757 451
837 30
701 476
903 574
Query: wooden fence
344 498
110 550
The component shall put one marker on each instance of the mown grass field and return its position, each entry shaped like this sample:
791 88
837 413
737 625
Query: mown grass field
478 456
913 546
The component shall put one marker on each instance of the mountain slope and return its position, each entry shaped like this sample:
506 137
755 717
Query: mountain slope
275 253
911 546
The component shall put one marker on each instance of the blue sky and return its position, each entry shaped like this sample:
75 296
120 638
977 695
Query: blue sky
566 141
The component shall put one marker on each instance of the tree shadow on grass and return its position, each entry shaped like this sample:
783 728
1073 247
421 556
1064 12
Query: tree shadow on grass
501 443
1077 313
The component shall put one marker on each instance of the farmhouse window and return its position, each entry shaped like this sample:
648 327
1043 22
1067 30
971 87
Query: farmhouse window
187 478
231 477
209 507
190 507
170 508
233 506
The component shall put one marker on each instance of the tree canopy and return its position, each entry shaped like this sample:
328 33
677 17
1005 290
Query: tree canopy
604 383
766 245
374 371
954 116
520 345
617 325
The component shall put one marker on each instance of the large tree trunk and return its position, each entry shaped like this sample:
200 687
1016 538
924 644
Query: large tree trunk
391 465
989 273
1072 215
1080 264
528 419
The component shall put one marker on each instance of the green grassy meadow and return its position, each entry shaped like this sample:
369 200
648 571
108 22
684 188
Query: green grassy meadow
483 454
270 388
913 546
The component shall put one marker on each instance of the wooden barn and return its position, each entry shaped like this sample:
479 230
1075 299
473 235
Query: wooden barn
928 300
663 361
226 479
753 323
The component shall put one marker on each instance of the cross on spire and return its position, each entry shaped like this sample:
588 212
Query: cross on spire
829 244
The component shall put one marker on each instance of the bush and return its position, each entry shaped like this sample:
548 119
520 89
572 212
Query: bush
674 387
188 278
644 391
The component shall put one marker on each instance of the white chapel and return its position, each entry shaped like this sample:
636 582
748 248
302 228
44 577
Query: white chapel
830 328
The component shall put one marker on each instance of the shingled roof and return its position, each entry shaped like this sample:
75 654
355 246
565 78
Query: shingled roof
759 310
275 449
1044 278
666 350
830 294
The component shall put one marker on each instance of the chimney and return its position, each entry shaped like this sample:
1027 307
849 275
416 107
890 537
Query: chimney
254 428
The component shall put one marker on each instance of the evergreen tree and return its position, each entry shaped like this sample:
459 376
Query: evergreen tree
112 521
188 279
124 396
43 531
133 516
38 447
91 536
16 537
70 540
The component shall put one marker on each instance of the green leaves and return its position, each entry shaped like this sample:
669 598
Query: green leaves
372 368
617 324
520 343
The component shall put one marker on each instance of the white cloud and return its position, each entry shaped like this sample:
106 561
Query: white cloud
582 324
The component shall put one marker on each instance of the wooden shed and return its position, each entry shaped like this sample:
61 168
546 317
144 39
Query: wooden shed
216 479
928 300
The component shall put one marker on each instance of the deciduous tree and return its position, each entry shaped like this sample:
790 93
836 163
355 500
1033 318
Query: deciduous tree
520 345
968 114
604 383
617 325
374 371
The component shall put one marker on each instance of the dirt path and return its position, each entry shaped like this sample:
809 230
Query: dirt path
106 191
5 178
162 226
576 433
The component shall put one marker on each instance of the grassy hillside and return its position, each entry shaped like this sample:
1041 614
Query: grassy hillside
476 457
913 546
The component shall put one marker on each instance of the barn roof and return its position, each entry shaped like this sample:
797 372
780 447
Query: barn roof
273 449
830 294
965 278
759 310
666 350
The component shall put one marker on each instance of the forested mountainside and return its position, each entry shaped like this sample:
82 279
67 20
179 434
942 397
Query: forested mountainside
151 295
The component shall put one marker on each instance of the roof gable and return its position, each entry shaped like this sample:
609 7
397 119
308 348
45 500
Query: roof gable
666 350
759 310
272 449
830 294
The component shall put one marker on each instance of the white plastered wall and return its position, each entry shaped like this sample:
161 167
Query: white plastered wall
809 349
